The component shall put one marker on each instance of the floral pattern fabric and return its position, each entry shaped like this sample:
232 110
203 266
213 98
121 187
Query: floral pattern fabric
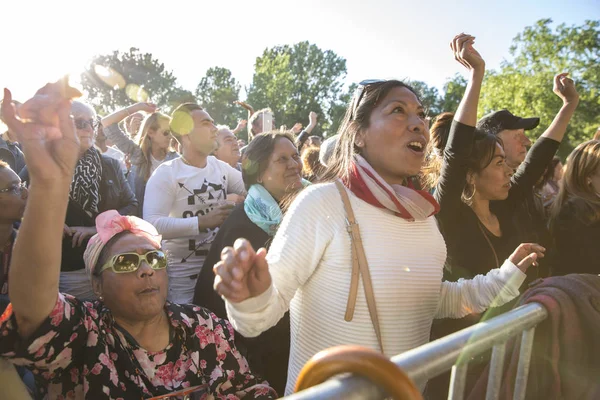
80 353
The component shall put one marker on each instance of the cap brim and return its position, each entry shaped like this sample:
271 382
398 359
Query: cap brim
527 123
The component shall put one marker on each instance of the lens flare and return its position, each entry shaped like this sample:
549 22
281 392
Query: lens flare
136 93
110 77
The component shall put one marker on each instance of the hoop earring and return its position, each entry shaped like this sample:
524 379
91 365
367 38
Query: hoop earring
468 199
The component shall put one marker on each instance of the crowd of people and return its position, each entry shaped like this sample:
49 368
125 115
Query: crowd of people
151 255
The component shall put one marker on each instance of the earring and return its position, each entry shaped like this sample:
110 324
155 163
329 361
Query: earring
468 199
100 298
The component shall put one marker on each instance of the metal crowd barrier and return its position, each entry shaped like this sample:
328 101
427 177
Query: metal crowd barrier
451 352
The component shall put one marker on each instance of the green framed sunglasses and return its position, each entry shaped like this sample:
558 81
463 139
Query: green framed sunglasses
130 262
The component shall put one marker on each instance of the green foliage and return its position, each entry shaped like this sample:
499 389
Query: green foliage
454 88
338 110
120 79
294 80
524 85
430 97
216 92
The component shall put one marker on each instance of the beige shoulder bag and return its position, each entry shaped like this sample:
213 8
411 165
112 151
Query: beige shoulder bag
359 263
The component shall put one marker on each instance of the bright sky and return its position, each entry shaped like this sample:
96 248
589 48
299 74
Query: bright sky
43 40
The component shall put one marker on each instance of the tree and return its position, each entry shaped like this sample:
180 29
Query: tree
119 79
524 85
454 88
338 110
294 80
430 97
216 92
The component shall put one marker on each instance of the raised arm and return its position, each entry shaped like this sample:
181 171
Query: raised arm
116 135
123 113
460 142
51 146
545 147
303 136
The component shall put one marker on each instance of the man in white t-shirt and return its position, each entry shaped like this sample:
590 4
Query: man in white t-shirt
186 198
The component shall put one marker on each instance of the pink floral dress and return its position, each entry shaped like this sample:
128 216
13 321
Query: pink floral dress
80 352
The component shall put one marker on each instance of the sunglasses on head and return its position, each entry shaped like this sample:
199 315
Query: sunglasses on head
360 91
130 262
81 123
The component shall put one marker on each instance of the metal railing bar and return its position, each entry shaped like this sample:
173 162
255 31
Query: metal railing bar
524 363
495 372
458 380
434 358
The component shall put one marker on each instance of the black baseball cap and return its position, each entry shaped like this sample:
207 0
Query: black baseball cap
498 121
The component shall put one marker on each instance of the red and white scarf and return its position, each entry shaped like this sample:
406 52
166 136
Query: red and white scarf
403 201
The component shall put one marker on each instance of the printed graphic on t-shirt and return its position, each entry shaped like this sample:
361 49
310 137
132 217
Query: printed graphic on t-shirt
202 201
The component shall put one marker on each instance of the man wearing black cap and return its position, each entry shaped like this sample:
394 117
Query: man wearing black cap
530 217
511 129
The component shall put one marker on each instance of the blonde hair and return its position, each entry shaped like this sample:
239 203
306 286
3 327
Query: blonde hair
574 187
152 122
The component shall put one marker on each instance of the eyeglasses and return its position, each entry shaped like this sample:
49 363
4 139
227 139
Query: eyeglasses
81 123
360 91
130 262
16 188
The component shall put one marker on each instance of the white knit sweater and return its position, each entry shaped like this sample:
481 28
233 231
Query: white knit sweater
310 265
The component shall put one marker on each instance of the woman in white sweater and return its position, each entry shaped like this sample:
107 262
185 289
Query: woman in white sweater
309 266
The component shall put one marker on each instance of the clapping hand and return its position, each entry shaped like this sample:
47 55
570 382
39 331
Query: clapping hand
242 273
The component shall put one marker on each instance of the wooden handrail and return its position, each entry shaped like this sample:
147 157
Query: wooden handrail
360 361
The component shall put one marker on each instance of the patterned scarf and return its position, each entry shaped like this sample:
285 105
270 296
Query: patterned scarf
263 210
85 187
404 202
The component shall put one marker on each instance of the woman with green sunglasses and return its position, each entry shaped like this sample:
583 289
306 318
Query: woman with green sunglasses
131 343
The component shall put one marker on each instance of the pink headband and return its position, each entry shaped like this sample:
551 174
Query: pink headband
110 223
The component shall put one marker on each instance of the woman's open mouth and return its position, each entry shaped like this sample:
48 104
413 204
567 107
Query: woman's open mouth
416 147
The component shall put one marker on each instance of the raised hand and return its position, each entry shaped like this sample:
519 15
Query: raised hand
45 129
526 255
297 128
464 53
240 125
564 87
242 273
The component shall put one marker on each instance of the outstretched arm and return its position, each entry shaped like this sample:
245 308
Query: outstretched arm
51 146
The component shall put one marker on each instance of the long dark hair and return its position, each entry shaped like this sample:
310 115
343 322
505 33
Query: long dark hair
481 156
355 120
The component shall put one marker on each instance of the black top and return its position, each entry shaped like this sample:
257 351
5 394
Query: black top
267 354
577 242
115 194
469 253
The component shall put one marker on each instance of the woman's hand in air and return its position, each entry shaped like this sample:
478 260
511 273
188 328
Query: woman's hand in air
465 53
45 129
